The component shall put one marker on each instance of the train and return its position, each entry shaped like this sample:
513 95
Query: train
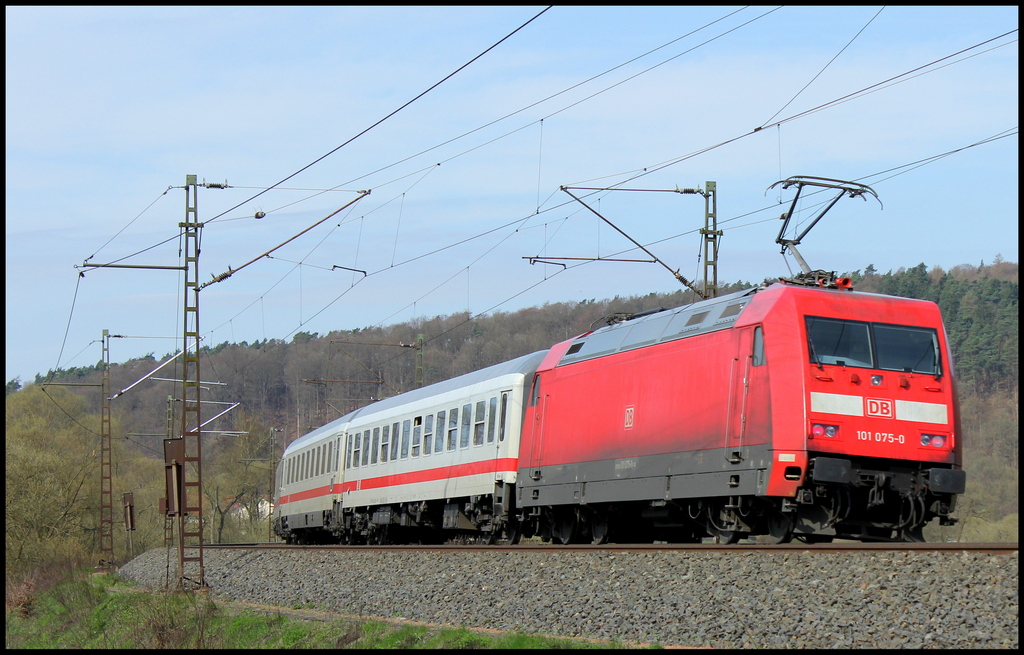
785 411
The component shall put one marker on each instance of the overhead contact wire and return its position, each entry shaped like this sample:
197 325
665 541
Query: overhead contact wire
434 86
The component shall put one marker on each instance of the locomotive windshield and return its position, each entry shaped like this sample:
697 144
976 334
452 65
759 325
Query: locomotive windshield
873 345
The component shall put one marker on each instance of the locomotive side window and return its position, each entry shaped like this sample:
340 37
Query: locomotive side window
535 394
405 438
467 419
911 350
376 443
478 423
453 427
439 443
758 354
384 443
428 433
842 343
394 441
490 419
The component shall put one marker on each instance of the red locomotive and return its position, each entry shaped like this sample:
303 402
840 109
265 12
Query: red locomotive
786 411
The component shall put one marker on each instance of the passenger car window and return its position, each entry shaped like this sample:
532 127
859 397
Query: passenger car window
501 422
491 416
394 441
384 443
467 419
453 427
376 443
405 437
428 433
439 443
417 427
478 423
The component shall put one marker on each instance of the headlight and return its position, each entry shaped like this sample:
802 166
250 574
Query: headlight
824 430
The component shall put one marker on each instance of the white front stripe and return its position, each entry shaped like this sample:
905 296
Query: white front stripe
907 410
835 403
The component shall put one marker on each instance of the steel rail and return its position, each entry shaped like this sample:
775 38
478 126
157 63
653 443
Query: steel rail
987 548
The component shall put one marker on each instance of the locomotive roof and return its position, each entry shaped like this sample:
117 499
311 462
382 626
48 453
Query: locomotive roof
670 324
526 365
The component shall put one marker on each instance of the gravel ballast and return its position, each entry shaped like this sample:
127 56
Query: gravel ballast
753 599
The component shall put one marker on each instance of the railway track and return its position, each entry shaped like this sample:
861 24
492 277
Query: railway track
988 548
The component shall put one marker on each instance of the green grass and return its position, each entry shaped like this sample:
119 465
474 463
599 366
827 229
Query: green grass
102 611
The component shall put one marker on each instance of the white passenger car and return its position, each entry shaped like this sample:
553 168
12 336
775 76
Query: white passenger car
430 464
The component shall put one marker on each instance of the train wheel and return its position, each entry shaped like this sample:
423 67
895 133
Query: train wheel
564 526
913 535
598 529
780 528
724 536
515 532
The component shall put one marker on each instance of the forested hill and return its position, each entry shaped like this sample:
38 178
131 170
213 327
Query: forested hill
297 385
979 308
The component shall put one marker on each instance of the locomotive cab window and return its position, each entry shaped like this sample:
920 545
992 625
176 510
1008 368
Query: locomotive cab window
900 348
907 349
841 343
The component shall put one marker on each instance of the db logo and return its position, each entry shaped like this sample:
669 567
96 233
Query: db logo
629 417
879 407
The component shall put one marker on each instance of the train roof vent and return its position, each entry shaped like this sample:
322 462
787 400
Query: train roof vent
732 310
646 332
600 342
